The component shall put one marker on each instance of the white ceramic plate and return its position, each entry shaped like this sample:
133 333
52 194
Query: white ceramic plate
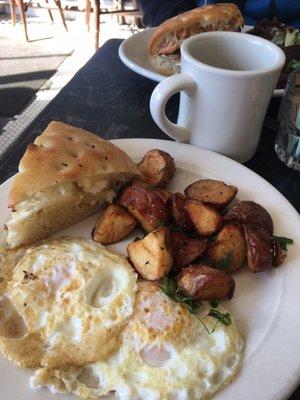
266 305
134 54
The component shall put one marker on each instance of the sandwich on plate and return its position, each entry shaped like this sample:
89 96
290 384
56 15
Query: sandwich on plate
164 45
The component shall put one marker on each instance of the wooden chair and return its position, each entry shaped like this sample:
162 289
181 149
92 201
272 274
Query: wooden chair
23 7
101 11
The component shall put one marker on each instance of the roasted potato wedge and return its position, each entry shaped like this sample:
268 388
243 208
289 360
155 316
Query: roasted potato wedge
230 243
279 255
259 248
113 225
163 194
186 250
178 212
201 282
146 206
211 192
157 167
249 212
206 219
152 256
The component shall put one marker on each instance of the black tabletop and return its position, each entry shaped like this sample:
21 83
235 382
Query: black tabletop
106 98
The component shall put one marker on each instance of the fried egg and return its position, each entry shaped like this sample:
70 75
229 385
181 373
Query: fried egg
166 353
66 302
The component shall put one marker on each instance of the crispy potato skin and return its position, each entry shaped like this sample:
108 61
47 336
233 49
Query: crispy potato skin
279 255
229 240
152 256
146 207
206 219
113 225
157 167
259 248
249 212
186 250
163 194
201 282
178 212
211 192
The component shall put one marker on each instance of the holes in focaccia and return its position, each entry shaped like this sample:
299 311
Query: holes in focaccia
73 154
100 289
61 166
12 325
89 378
216 377
155 355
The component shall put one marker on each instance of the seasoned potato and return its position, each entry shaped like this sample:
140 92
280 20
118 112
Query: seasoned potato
113 225
230 243
206 219
157 167
249 212
201 282
146 206
178 212
163 194
151 256
279 255
211 192
259 248
186 250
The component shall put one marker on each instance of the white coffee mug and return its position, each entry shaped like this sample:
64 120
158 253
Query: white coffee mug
226 84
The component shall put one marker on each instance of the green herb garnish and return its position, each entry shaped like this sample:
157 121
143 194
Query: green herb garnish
283 241
223 318
294 64
225 263
214 303
160 223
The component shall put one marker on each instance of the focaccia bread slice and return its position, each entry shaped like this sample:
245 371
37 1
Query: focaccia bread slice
170 34
64 176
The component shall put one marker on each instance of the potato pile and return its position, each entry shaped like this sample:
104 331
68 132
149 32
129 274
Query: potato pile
199 237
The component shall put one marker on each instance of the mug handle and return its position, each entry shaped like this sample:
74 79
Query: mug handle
159 98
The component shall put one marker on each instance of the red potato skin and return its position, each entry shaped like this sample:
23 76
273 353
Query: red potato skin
186 250
249 212
163 194
259 248
279 255
147 208
201 282
178 212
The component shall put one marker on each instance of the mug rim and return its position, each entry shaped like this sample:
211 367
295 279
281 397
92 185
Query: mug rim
185 52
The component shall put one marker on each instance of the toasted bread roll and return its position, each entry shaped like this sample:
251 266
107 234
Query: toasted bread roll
152 256
206 219
113 225
211 192
186 250
249 212
157 167
178 212
230 245
170 34
259 248
201 282
146 207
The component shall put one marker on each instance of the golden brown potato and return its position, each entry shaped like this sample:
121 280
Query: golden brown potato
279 255
249 212
151 256
186 250
259 248
229 245
206 219
113 225
178 212
211 192
163 194
201 282
157 167
146 206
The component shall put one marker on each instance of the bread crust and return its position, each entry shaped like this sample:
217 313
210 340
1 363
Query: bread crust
182 26
64 153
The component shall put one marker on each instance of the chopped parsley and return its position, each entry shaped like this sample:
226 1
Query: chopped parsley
283 241
225 263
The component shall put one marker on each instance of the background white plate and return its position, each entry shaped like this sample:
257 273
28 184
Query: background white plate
265 306
134 54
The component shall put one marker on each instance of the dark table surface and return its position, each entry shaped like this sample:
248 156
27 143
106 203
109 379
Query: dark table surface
106 98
